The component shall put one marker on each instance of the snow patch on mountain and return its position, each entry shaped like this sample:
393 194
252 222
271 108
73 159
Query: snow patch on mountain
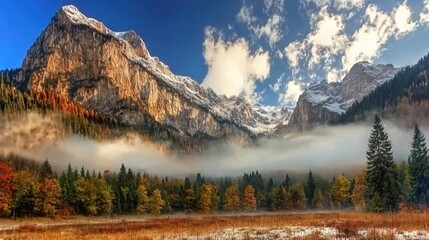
257 118
362 79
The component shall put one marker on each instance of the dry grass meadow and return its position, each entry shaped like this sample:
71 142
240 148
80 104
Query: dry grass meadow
343 225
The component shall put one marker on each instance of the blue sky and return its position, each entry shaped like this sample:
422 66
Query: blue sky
265 50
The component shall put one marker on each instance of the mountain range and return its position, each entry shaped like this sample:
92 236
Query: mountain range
79 59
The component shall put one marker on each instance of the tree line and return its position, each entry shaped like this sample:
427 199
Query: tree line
28 189
77 119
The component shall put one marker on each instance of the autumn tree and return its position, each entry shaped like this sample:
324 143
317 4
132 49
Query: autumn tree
298 195
155 203
24 198
205 203
7 187
141 198
340 190
48 196
93 196
249 200
359 191
189 202
232 199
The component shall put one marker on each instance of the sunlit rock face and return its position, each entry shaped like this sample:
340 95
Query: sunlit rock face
114 74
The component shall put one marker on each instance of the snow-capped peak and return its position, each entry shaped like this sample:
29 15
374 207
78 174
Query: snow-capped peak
256 118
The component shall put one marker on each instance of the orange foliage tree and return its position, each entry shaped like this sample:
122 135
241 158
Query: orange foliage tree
7 186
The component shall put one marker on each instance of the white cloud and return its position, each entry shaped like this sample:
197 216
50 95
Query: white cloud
337 4
424 15
329 49
326 40
349 4
276 5
378 28
232 68
294 89
294 52
402 20
271 30
245 15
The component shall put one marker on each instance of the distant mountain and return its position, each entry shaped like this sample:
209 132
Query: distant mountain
105 83
405 97
323 102
81 60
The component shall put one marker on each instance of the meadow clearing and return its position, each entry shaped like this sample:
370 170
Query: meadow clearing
260 225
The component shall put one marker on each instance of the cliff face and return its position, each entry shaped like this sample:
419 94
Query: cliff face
114 74
323 102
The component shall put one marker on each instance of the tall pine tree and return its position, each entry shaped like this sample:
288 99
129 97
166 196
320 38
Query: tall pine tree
311 187
419 168
382 193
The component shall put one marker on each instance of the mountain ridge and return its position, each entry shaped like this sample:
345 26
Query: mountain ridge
113 73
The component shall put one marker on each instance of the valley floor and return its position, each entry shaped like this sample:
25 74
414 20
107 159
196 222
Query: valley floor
260 225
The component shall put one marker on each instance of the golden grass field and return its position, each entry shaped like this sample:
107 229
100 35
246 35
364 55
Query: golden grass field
346 224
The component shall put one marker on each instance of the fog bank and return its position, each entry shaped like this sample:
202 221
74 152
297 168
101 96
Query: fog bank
326 150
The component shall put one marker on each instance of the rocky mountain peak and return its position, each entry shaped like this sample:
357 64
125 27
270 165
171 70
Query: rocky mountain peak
135 41
69 14
323 102
80 59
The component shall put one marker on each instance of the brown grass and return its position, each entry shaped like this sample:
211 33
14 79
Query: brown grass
347 224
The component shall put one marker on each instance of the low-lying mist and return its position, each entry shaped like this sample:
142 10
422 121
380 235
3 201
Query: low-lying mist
325 150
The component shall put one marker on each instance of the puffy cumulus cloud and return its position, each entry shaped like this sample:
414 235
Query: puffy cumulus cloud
328 49
245 15
294 89
402 20
367 41
326 39
271 30
424 15
232 68
293 53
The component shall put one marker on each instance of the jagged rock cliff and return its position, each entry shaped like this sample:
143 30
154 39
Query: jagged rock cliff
323 102
113 73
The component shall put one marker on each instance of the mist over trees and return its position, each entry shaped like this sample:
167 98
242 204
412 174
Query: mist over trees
28 188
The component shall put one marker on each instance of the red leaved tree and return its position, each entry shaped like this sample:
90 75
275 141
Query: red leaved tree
7 186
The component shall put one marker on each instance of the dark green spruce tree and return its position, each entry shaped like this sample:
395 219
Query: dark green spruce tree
419 168
383 192
310 187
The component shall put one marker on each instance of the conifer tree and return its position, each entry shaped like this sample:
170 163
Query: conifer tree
310 187
382 192
404 181
419 168
318 199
